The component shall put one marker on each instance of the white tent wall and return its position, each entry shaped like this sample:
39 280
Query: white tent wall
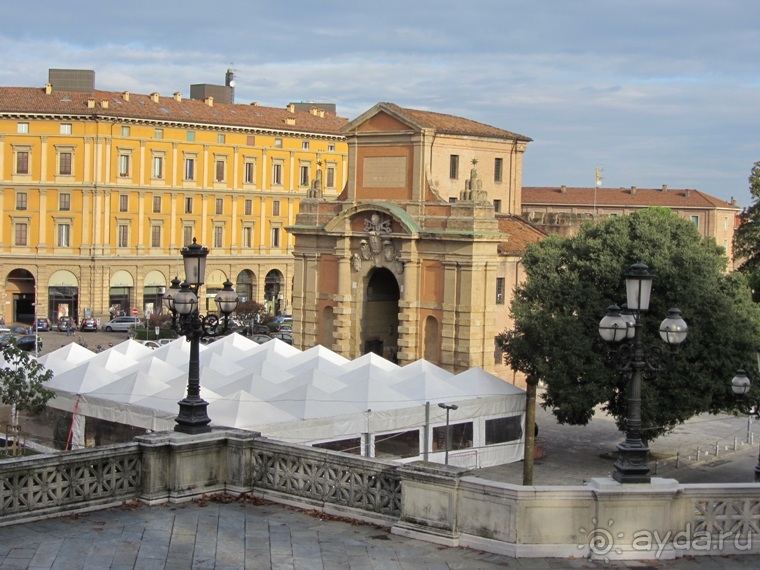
291 396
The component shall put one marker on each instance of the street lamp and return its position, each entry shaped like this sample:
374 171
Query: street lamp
182 301
633 359
448 408
748 406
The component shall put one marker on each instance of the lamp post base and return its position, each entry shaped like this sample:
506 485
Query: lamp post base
631 465
192 418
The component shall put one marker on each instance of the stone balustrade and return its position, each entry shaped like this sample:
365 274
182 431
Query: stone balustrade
443 504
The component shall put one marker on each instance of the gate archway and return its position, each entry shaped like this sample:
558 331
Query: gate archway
380 317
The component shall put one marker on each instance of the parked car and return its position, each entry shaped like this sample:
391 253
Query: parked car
260 329
121 324
65 322
283 336
285 329
89 324
27 342
20 329
150 344
261 338
284 319
42 324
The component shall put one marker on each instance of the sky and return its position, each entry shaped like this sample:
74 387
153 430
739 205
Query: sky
652 92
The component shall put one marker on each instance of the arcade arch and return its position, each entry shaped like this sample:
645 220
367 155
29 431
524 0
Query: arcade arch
63 295
380 317
20 292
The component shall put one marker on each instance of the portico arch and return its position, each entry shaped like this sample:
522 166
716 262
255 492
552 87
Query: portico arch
20 289
63 295
380 315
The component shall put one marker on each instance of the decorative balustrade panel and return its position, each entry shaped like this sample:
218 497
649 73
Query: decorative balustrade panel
729 517
329 477
63 480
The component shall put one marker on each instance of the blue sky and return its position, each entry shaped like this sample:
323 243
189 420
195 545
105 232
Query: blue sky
652 91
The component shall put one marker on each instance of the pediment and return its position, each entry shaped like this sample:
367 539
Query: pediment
380 119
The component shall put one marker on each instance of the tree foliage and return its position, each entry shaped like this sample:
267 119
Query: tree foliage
747 235
572 281
22 380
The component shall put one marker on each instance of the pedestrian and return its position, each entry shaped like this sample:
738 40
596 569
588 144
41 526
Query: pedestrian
68 328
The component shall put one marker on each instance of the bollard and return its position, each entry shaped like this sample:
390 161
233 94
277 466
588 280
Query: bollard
734 443
698 453
716 449
678 459
656 465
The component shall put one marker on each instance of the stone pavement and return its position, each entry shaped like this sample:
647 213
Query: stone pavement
258 535
575 454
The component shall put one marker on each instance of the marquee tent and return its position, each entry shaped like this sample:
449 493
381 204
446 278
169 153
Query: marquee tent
316 397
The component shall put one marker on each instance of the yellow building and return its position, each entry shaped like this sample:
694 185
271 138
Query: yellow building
101 190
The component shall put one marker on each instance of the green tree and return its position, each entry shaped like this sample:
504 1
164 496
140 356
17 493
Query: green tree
22 380
747 235
571 282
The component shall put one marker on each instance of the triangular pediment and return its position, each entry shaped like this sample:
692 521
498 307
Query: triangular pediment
381 119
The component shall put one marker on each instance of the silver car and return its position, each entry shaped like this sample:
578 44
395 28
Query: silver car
121 324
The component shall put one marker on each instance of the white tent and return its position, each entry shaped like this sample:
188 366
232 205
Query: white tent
315 397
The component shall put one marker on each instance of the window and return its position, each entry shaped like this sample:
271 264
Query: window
124 165
304 175
499 290
276 208
187 235
275 237
158 134
125 131
218 236
189 169
23 128
498 165
452 200
454 167
20 233
330 148
250 140
156 204
155 236
305 145
189 205
219 206
399 444
277 143
21 201
191 136
22 162
64 202
220 138
220 171
461 437
65 128
123 203
250 172
247 207
64 234
695 219
502 430
64 164
725 223
123 235
277 174
247 237
158 167
330 177
497 206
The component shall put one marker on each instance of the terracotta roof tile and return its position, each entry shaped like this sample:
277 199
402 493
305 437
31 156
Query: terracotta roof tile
621 197
30 100
520 232
449 124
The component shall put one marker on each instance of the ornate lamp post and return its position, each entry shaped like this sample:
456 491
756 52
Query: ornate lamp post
448 408
633 359
182 302
748 406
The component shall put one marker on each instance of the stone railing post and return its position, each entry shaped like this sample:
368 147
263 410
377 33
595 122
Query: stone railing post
429 501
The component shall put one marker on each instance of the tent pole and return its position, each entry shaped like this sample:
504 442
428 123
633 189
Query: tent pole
426 444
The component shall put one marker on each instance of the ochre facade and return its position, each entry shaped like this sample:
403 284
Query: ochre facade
101 190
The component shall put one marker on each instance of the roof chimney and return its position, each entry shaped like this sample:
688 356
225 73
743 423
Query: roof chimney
290 121
177 96
254 103
664 187
633 190
209 101
688 193
563 189
48 88
104 103
291 108
154 97
126 96
90 103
